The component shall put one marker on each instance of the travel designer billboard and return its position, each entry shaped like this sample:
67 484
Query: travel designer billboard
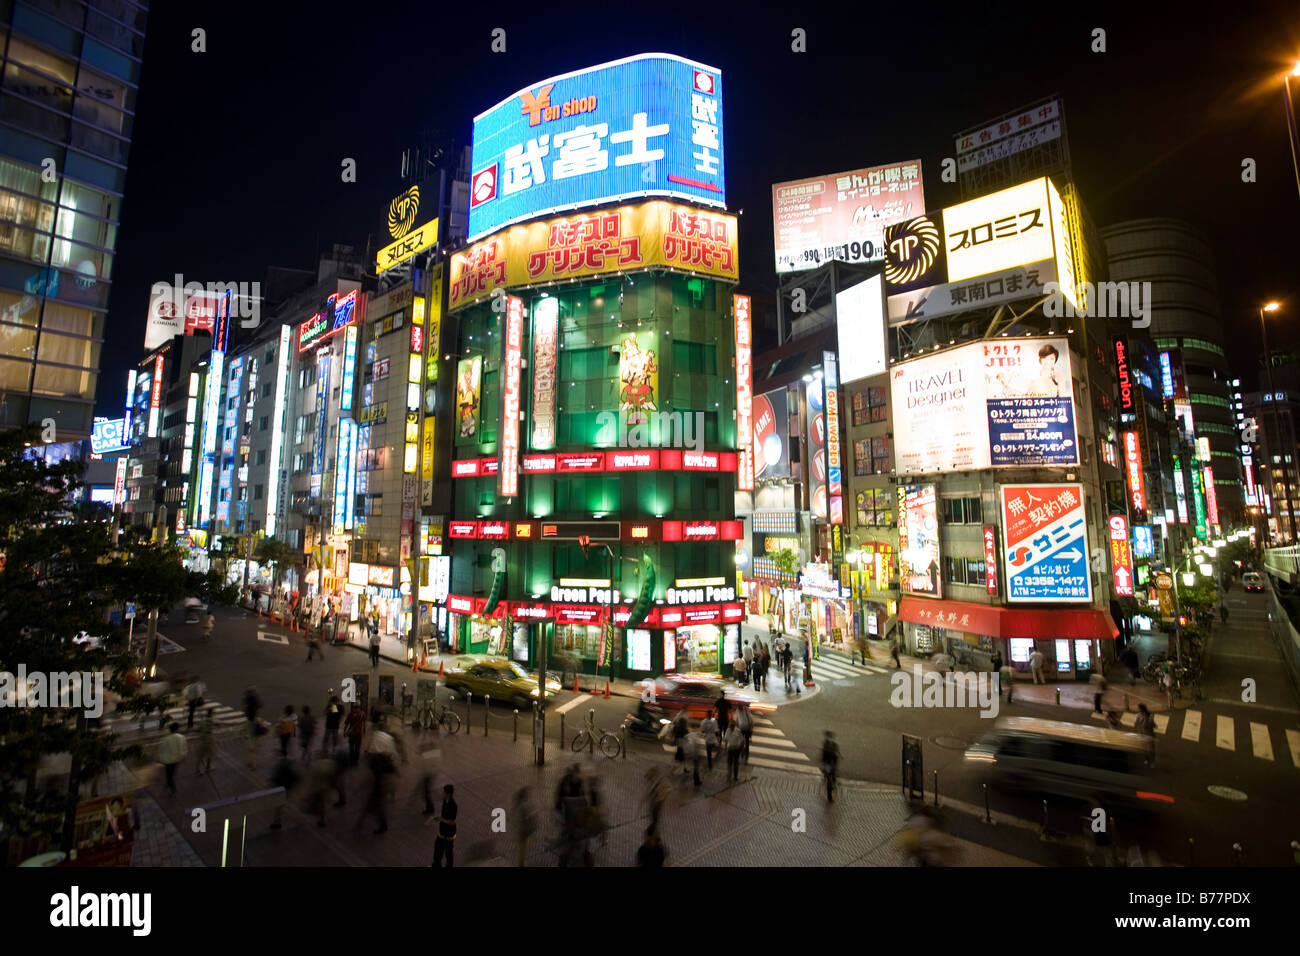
994 403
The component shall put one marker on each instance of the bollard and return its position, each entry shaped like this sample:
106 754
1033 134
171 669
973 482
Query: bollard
591 735
1058 697
1126 707
622 739
988 817
1236 854
487 709
561 730
907 768
936 787
1191 851
1044 833
469 710
516 725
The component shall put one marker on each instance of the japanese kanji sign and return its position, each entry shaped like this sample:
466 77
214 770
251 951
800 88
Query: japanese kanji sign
1121 559
644 125
656 233
1046 544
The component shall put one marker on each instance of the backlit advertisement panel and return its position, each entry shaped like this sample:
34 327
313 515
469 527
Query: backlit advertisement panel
860 326
339 313
643 125
918 541
108 435
771 435
1198 501
997 403
638 378
546 337
1144 543
278 478
816 446
344 475
508 437
991 559
1045 546
119 482
347 385
834 479
1003 229
318 439
1180 490
843 216
655 233
1137 495
744 393
1121 559
1211 498
469 372
155 394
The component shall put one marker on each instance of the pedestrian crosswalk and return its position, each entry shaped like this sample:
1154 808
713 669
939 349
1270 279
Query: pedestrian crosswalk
770 748
1257 737
834 667
222 717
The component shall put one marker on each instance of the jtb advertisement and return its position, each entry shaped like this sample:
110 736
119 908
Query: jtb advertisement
1030 403
1046 548
645 125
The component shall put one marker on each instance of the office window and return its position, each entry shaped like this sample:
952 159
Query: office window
263 423
961 510
260 456
257 492
266 390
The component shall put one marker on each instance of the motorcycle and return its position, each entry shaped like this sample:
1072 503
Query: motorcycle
646 726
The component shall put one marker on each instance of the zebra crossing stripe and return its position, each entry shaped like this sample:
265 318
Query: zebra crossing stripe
1293 744
1225 735
779 765
1259 741
1192 726
1162 723
772 751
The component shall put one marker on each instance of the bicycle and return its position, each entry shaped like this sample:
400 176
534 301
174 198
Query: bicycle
610 743
431 714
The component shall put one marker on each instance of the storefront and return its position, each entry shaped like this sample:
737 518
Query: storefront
1071 639
825 614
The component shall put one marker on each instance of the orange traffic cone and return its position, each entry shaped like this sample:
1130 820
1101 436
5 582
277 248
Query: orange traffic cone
575 684
607 688
439 668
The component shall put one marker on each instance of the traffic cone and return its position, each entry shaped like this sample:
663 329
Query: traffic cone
575 684
607 688
439 668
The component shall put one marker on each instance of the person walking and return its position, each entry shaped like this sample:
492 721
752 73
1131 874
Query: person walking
209 624
374 647
651 853
430 764
333 718
657 790
206 744
739 670
1036 661
306 731
286 728
1099 686
680 729
807 663
745 722
694 745
444 847
709 733
171 751
995 662
767 663
256 729
723 709
324 778
381 756
313 645
735 746
1007 678
193 695
830 764
1146 725
893 655
524 815
748 655
1223 612
354 729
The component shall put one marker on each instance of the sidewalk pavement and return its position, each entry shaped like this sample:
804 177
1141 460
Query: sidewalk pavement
767 818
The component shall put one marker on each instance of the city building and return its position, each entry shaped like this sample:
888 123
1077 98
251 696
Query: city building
1269 449
71 72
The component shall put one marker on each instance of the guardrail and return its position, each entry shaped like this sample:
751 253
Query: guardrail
1283 563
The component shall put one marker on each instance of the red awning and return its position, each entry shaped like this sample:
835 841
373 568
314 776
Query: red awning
1086 623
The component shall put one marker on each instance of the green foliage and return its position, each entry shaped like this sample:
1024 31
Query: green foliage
786 561
278 555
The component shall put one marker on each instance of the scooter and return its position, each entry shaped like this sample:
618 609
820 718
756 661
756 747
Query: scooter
646 728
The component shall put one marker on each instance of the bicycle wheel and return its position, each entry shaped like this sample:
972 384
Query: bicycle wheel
450 722
579 741
610 745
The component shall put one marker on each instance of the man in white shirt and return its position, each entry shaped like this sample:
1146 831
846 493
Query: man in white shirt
194 692
171 751
1036 660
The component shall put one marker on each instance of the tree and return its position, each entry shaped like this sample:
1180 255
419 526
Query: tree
58 577
278 555
786 561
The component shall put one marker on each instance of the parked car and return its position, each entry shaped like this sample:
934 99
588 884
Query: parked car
697 694
1252 581
483 675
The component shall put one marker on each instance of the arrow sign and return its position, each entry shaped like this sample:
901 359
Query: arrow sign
1072 554
1122 577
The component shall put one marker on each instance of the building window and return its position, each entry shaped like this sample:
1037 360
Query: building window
257 492
962 510
868 406
263 422
260 457
976 572
266 390
871 456
875 507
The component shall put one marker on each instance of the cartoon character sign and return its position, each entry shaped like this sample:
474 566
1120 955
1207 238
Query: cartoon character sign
468 376
638 372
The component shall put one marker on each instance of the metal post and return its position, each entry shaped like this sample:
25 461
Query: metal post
487 710
516 737
988 817
1043 835
469 710
1058 697
561 732
907 773
591 728
936 787
1236 854
1191 851
622 739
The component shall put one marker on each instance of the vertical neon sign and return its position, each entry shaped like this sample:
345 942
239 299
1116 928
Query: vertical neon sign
278 478
744 393
511 358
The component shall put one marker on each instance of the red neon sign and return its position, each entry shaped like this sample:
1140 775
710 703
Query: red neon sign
1121 558
465 468
462 529
991 559
631 460
1133 468
511 359
744 393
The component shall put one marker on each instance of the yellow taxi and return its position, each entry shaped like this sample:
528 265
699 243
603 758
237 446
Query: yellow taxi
503 680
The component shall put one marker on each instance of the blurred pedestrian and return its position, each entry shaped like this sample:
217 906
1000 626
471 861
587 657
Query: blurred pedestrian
1098 692
333 718
524 817
807 663
206 743
324 778
286 728
313 638
430 764
723 709
893 655
745 721
285 776
1223 612
193 694
444 847
354 729
680 729
657 789
1036 661
171 751
306 731
735 745
995 662
1146 725
374 647
381 757
651 852
694 745
709 733
1007 679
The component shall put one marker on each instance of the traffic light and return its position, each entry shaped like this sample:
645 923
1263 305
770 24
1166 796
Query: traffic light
641 607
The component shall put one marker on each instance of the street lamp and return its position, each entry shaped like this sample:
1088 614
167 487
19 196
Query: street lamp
1290 120
1272 394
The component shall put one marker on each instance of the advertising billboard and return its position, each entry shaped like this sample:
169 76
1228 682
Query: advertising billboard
174 310
1144 544
469 372
339 313
843 216
630 237
816 446
771 435
1121 559
1009 135
318 439
744 394
860 327
546 336
996 403
344 474
834 473
991 559
278 476
918 541
1211 499
1137 495
1045 543
512 342
108 435
993 249
643 125
348 385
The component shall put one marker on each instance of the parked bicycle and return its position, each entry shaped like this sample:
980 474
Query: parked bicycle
432 713
609 742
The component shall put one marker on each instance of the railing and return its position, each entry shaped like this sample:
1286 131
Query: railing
1283 563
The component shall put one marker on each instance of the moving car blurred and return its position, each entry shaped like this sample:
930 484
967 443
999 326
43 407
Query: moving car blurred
87 641
483 675
195 609
1075 760
1252 581
697 694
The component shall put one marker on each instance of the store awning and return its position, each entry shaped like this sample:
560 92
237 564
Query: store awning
1039 622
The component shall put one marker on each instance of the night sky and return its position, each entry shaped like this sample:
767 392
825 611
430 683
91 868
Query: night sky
235 160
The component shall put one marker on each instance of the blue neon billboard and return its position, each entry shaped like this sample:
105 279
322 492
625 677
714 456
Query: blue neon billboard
318 439
349 367
648 125
108 435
